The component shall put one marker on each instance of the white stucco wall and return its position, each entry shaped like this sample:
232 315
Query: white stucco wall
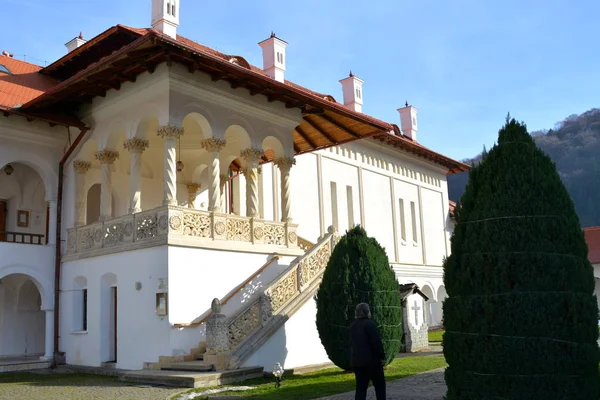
295 344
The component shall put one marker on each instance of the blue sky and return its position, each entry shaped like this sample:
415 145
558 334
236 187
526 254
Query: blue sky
463 63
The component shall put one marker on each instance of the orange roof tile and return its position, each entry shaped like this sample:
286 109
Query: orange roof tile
23 84
592 238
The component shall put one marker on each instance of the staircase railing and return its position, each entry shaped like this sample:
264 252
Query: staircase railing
281 298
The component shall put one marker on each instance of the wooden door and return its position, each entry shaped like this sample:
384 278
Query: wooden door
2 221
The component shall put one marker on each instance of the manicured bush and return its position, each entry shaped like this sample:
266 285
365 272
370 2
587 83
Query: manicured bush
358 271
521 314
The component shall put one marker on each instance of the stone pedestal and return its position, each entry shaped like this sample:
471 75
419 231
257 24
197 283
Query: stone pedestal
217 339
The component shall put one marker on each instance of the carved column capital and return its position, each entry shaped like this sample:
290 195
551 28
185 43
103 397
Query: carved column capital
81 167
136 145
170 131
284 162
224 179
106 156
251 155
193 187
213 145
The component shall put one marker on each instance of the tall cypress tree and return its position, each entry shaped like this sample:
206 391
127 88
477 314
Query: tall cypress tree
358 272
521 314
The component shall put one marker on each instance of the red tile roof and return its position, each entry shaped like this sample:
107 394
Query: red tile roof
592 238
23 84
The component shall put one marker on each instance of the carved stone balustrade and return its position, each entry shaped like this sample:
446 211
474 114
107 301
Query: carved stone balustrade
182 226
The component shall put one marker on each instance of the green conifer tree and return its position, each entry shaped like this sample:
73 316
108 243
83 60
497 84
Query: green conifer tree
358 271
521 314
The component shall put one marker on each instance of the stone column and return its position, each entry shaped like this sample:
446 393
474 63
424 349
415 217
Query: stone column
252 157
224 180
81 168
136 147
193 188
170 134
285 165
214 146
217 338
49 340
106 158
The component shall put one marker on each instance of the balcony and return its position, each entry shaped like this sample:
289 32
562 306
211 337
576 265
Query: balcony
174 225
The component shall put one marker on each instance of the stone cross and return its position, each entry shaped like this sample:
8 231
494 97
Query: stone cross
416 308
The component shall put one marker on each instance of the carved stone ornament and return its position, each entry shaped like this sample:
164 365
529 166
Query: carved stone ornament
162 222
129 228
136 145
259 233
251 154
106 156
175 222
81 167
170 131
213 144
284 162
220 228
292 237
193 187
216 306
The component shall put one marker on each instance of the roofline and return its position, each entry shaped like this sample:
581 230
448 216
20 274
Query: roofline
50 120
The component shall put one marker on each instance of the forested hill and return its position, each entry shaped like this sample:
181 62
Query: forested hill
574 145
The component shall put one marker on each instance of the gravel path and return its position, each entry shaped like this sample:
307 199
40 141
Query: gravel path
48 385
426 386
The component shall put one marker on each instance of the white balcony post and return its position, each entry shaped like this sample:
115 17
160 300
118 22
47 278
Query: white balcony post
52 222
224 180
252 157
170 134
193 188
136 147
285 165
49 336
81 168
214 146
106 158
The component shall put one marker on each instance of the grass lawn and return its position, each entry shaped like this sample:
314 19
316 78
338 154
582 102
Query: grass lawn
436 336
331 381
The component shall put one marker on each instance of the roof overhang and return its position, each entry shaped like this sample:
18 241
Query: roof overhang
323 124
51 119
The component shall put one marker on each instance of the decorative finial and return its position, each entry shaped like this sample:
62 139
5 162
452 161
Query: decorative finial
216 306
81 35
406 104
351 74
273 34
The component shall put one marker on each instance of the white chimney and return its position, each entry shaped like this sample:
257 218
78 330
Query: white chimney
76 42
408 121
273 50
352 89
165 16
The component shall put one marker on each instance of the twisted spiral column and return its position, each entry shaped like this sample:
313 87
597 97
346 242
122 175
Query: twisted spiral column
252 157
170 133
107 158
81 167
136 147
285 165
214 146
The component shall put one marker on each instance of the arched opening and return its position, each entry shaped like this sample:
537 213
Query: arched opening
23 208
441 296
22 321
93 204
430 314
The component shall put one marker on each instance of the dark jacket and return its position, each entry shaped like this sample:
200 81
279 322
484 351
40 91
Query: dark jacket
365 344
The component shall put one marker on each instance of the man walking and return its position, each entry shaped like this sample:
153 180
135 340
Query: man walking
367 354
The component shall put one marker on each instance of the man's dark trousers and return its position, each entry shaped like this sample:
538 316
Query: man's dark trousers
363 376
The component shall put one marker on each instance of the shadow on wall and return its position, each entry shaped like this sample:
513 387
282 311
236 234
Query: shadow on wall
272 352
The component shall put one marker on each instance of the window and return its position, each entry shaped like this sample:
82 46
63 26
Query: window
4 69
358 93
334 210
169 8
173 9
350 206
402 220
84 314
413 215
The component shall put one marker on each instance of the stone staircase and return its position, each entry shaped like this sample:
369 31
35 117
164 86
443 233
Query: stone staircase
248 328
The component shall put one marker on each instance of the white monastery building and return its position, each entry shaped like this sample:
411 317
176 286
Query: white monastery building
142 175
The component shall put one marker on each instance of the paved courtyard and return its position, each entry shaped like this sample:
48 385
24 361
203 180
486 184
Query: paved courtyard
47 385
426 386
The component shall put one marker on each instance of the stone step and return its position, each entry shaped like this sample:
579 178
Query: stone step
23 365
195 366
191 379
200 357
